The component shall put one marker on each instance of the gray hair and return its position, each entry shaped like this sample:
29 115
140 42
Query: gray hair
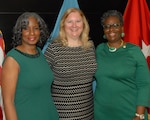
22 23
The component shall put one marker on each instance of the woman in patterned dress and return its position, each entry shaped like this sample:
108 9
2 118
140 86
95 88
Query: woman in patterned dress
71 56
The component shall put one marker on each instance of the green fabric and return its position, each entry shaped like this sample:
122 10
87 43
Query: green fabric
33 99
123 82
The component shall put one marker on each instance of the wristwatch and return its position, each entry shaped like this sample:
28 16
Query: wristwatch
141 116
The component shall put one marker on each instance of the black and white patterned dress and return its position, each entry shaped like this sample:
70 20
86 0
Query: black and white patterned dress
73 70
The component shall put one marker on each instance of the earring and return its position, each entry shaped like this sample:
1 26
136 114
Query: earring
104 36
122 34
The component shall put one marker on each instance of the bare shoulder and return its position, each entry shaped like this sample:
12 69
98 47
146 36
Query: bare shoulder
10 61
10 65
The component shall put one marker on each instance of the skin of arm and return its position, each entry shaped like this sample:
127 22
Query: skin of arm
139 110
10 73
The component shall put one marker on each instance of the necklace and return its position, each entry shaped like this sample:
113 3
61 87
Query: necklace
30 55
113 49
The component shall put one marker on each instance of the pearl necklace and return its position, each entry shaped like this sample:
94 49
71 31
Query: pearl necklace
113 49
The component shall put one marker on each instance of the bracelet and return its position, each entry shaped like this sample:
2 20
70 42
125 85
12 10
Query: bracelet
141 116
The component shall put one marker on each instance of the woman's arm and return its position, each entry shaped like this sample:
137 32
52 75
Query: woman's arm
10 73
140 110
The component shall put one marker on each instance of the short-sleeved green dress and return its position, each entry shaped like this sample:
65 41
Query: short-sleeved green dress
33 99
123 82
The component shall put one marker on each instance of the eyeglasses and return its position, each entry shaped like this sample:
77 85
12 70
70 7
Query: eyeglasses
115 26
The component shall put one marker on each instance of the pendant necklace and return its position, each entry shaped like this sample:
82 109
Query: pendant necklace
113 49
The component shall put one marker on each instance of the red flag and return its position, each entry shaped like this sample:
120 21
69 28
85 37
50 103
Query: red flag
137 25
2 55
2 52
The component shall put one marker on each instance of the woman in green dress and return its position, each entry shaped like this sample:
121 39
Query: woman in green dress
122 76
26 75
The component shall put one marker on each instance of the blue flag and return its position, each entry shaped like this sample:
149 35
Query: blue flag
66 4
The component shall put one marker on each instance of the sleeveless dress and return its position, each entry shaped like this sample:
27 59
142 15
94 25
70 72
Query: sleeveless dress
73 70
123 82
33 99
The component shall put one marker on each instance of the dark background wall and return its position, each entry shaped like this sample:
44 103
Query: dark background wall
49 9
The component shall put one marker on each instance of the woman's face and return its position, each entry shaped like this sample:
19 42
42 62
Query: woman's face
73 25
112 29
31 34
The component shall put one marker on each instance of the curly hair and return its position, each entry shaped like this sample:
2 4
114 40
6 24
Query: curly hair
22 23
110 13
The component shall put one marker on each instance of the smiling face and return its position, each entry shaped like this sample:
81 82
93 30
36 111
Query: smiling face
112 29
31 34
73 25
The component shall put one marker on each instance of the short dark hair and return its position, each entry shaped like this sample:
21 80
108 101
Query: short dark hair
110 13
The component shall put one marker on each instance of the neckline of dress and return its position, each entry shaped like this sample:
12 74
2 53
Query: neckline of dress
29 55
